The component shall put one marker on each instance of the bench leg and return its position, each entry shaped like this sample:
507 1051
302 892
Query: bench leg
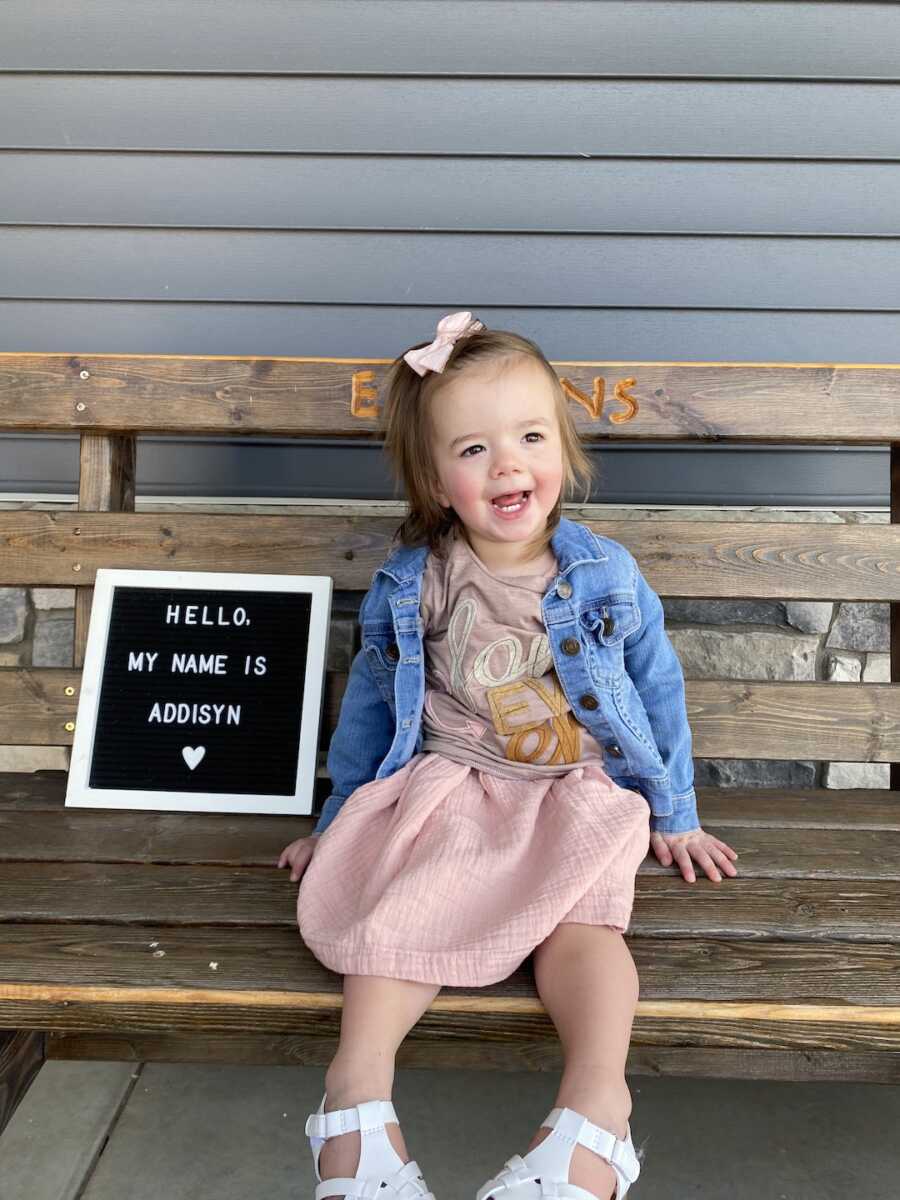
22 1054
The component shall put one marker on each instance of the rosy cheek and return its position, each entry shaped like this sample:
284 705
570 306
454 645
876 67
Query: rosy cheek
465 486
549 486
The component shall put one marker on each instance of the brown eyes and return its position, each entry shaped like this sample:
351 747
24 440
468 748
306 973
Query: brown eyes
475 445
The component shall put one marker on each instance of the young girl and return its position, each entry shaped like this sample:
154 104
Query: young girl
512 739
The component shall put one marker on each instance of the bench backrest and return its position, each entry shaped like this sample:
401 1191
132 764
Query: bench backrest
111 399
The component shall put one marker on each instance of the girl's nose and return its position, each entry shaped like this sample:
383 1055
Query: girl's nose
503 469
507 462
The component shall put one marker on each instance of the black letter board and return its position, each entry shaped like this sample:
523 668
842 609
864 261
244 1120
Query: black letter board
201 690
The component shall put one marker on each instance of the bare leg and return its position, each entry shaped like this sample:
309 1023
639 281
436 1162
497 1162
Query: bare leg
587 981
377 1014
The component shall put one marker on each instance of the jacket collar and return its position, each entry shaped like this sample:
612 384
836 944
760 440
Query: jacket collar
572 543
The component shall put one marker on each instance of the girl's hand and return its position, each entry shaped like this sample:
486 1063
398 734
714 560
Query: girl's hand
696 843
298 854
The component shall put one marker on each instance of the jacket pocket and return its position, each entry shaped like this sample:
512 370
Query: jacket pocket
382 654
610 619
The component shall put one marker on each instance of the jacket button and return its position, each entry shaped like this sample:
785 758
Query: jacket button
571 645
614 749
564 589
393 651
608 626
589 700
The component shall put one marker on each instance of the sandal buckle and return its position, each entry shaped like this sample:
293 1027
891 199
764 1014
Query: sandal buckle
513 1177
625 1159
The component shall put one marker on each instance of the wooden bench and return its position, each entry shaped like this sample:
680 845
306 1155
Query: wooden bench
110 921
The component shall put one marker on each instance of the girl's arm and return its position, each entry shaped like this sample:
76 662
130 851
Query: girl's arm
655 670
359 744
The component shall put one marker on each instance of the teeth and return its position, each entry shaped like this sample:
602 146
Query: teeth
514 506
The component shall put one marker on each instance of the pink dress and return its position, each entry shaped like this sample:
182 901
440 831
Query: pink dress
452 870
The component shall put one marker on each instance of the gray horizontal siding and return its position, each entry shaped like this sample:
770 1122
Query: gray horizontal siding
488 37
454 194
436 115
462 270
687 181
360 331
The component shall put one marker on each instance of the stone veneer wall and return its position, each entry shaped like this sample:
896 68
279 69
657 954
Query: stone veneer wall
714 639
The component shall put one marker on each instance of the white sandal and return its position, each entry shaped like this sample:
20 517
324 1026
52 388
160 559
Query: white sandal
549 1161
381 1172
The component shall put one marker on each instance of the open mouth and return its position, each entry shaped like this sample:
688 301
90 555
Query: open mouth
510 504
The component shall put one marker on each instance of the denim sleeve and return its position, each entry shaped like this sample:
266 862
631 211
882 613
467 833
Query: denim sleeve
361 740
655 670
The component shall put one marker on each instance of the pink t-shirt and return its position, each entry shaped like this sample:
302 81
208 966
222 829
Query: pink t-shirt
492 695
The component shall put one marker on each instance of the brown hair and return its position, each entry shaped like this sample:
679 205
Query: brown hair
408 434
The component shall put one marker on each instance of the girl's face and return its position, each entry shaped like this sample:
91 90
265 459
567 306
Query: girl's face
496 434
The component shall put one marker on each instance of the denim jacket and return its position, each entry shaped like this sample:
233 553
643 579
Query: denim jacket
613 658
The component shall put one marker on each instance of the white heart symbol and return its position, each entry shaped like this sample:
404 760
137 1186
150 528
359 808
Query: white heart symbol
193 755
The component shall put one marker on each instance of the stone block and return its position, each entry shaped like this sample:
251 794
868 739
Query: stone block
861 625
843 668
857 775
754 772
340 644
346 602
54 641
877 668
750 654
809 616
45 598
690 610
34 758
13 614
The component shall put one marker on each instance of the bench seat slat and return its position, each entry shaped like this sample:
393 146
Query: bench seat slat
807 808
740 559
218 839
102 955
700 1024
704 993
665 904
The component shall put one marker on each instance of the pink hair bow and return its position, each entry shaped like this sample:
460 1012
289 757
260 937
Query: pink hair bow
433 357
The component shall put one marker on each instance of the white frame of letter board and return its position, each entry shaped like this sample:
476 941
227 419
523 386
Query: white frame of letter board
79 794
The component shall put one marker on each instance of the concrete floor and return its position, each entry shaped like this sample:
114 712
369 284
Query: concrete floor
110 1131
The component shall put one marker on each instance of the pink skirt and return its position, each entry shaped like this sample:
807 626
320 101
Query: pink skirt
443 873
